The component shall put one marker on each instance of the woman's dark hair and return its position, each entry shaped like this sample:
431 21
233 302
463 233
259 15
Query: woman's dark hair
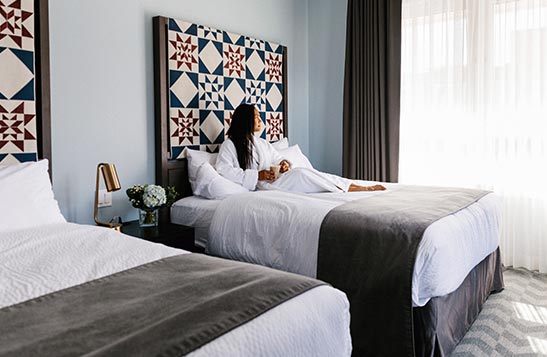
241 133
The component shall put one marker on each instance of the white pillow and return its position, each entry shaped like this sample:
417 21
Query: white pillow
195 159
296 157
26 197
210 184
281 144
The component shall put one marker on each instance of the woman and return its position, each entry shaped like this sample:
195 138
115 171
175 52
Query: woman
246 160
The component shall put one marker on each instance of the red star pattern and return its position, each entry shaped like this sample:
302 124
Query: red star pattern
12 19
275 126
186 127
185 52
234 61
13 127
273 67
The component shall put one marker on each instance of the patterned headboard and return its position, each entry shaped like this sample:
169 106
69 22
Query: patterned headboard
201 75
24 81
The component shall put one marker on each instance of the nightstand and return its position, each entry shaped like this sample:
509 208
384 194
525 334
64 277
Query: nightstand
169 234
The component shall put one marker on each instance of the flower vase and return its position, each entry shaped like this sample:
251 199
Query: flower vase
148 218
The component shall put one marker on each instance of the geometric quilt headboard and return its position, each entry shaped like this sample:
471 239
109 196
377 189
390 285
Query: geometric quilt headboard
211 72
201 75
24 81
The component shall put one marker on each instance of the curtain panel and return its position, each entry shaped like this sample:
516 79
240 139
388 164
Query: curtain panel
474 109
371 90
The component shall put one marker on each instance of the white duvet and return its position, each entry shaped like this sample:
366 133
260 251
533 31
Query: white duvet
37 261
281 230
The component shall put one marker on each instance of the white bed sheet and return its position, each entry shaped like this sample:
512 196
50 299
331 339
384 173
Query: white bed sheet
197 212
281 230
37 261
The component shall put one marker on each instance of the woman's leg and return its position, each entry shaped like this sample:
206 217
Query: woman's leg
304 181
356 188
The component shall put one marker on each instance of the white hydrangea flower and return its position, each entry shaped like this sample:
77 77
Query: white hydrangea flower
154 196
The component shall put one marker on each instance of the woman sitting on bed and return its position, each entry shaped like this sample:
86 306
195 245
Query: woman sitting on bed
246 160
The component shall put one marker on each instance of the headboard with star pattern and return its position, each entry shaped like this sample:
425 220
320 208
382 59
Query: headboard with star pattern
201 75
24 81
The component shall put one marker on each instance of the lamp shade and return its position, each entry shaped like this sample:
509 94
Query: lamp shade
110 177
112 184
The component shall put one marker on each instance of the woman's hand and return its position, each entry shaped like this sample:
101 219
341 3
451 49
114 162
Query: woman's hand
285 166
266 175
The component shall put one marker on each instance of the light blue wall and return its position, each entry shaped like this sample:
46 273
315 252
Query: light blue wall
102 84
327 40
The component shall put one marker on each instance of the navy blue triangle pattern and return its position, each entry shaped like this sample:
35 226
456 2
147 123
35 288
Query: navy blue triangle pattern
26 57
26 157
255 65
211 92
274 48
212 126
26 93
183 89
234 39
173 77
176 151
234 92
274 97
209 33
212 72
210 57
190 29
173 26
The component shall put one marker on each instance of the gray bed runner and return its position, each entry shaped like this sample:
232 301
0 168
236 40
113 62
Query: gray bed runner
169 307
367 248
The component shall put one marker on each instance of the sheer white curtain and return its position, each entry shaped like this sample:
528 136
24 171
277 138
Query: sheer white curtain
474 109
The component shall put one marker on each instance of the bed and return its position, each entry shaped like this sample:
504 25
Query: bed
441 266
453 269
426 305
42 263
69 289
457 264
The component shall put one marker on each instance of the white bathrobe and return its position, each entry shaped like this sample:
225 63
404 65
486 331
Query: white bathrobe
298 179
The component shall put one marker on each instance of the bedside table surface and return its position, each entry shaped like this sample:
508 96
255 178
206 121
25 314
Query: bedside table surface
133 228
169 234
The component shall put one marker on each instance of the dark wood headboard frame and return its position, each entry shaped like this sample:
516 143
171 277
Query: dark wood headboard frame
175 172
43 104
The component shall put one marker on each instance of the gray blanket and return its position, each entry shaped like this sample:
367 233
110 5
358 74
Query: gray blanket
367 248
168 307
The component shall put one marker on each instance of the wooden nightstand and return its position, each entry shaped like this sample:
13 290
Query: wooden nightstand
169 234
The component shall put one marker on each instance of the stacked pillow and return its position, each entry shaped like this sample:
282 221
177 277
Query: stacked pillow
205 180
195 159
26 197
281 144
295 156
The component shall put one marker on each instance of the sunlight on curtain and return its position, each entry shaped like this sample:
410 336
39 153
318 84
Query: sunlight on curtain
474 109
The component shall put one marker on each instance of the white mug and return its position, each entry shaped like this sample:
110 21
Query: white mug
275 169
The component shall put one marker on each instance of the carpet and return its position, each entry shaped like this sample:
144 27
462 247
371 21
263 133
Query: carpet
513 322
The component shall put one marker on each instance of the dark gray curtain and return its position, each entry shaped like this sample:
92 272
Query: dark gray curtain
372 90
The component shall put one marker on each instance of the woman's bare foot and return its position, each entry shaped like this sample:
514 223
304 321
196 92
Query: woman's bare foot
357 188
